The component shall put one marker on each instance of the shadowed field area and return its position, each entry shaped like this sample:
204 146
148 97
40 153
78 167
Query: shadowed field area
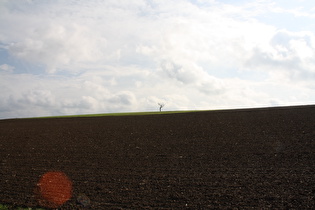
257 158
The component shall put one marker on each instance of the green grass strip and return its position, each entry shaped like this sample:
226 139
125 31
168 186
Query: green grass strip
119 114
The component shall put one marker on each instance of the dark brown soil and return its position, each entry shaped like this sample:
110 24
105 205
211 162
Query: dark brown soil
260 158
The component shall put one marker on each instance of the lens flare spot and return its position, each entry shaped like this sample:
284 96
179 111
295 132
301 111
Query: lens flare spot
54 189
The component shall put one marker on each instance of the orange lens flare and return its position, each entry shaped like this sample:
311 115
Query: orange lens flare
54 189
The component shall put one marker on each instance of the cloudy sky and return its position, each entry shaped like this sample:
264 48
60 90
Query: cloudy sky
63 57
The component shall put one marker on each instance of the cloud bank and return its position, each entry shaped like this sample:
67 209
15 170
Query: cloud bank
76 57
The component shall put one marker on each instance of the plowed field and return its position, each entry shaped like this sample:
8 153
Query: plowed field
260 158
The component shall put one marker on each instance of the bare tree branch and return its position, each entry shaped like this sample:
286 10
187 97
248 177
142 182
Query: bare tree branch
161 106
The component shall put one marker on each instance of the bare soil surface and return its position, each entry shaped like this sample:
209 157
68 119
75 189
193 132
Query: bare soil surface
251 158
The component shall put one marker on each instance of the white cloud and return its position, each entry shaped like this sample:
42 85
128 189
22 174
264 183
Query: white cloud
6 68
290 56
57 46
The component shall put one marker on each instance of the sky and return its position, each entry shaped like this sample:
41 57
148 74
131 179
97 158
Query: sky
66 57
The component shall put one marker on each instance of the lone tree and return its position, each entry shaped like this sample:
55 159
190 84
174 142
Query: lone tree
161 106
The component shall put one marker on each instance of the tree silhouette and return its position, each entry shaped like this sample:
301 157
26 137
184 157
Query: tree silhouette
161 106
